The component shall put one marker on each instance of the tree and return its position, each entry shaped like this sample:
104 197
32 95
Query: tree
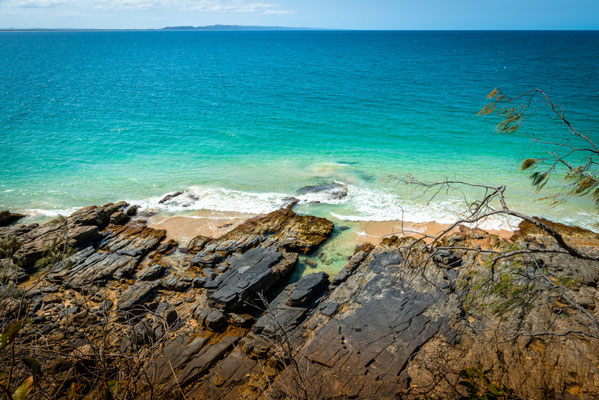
576 158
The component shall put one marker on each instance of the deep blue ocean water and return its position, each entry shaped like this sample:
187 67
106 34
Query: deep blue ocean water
241 120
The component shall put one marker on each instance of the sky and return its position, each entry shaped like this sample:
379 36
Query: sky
333 14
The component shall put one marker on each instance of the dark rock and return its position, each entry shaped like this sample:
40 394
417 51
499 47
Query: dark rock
205 359
175 283
167 314
307 288
9 272
349 268
447 258
89 267
16 230
164 248
133 239
280 319
7 218
198 282
82 228
125 272
329 308
133 300
211 318
210 273
69 311
256 271
283 228
34 243
207 258
105 305
197 244
241 320
169 197
381 325
222 268
49 289
131 211
94 215
151 273
142 333
119 218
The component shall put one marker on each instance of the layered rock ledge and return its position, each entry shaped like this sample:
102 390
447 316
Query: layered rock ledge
226 318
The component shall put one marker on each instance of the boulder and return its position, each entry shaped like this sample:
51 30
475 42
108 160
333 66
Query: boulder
119 218
132 211
211 318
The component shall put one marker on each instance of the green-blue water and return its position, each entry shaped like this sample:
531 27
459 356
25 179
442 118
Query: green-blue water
241 120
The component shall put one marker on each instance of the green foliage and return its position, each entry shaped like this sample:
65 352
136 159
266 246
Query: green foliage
528 163
507 291
576 158
479 386
9 245
569 282
56 251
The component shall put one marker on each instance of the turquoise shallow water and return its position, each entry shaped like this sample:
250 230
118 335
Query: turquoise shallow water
241 120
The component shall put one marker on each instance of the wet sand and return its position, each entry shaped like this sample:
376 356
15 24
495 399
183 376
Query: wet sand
375 231
183 228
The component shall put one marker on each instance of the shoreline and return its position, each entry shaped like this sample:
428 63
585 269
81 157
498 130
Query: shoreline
183 227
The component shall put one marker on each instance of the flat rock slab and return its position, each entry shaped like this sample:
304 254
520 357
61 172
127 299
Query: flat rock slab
255 271
379 322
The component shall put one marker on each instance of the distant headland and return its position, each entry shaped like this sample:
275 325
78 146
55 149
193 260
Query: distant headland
171 28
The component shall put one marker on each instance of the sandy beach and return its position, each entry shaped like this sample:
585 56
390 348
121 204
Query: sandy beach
183 228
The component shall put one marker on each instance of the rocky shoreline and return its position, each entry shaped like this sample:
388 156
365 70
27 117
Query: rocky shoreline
107 296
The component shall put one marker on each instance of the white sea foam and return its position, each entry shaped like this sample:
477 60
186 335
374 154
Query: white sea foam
217 199
38 212
360 204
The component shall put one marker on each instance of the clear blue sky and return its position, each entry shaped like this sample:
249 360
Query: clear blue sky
341 14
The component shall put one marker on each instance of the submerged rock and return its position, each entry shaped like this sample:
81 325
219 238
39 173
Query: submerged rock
7 218
169 197
332 190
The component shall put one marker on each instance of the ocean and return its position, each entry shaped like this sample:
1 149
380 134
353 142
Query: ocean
240 121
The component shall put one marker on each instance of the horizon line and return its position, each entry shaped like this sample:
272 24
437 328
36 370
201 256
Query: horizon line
226 27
